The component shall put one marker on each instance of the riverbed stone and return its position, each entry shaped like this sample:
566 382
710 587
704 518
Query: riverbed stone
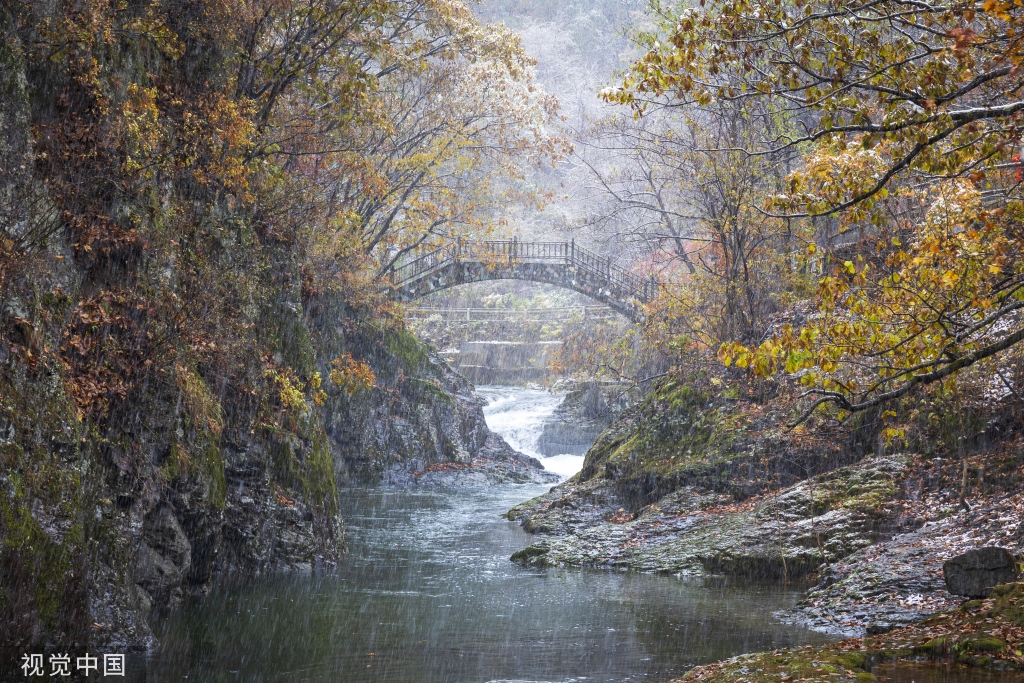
696 531
974 573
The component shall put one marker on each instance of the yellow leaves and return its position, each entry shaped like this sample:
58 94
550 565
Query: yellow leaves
830 176
890 433
319 396
290 389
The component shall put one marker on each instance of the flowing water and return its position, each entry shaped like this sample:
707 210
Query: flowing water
519 415
427 595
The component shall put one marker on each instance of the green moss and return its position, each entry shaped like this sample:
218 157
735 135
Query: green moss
409 350
171 467
966 641
319 483
981 643
48 563
853 660
530 556
677 433
865 677
295 344
521 509
431 392
1006 602
207 466
935 647
306 468
34 475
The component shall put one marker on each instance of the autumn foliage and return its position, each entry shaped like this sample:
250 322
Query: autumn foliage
902 126
205 196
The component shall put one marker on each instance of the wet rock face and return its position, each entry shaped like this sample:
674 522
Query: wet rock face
562 437
974 573
164 558
697 531
435 434
581 418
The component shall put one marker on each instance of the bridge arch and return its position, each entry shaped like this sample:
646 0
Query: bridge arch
555 263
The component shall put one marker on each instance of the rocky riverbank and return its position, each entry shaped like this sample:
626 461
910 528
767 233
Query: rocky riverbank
875 553
786 534
987 634
496 463
686 483
900 581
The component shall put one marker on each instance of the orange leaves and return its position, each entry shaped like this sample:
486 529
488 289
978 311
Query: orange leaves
212 140
352 375
932 305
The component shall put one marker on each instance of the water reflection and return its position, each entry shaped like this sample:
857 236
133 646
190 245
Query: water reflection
428 595
932 672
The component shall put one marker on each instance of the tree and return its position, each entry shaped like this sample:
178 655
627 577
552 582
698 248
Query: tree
911 116
451 112
693 209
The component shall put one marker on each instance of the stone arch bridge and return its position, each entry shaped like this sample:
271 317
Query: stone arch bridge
556 263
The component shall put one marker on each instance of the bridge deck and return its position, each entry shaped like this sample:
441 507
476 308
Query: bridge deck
498 314
558 263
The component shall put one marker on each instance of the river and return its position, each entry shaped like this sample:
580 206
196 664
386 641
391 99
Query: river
427 595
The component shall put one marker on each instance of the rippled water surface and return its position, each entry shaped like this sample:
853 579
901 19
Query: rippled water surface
427 594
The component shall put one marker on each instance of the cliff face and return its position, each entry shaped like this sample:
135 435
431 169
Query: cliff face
165 409
95 539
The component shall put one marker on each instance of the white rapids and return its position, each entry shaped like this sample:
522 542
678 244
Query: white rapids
518 414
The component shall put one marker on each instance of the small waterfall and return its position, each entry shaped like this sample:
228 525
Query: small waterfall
518 414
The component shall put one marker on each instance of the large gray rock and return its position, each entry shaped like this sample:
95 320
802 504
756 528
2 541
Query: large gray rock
562 437
164 557
975 573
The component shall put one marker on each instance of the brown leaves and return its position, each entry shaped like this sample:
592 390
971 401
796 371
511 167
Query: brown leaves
102 350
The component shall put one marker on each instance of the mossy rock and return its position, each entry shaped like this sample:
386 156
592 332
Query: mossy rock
532 556
853 660
1005 602
407 349
981 643
936 647
677 434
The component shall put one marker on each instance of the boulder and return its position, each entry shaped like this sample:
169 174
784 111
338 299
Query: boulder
975 573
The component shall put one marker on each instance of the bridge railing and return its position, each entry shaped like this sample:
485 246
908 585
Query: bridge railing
423 264
617 276
502 314
518 251
500 253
